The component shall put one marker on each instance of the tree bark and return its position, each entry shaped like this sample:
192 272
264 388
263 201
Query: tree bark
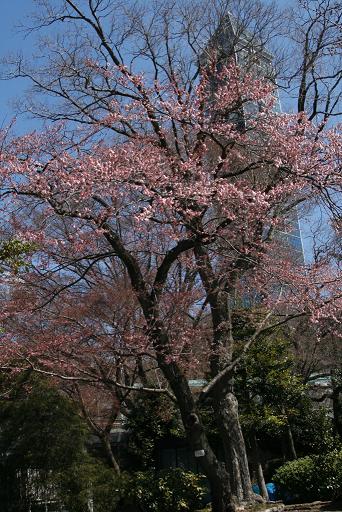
215 471
234 448
258 468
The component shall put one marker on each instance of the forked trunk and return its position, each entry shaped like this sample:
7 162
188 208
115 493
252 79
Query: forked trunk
215 471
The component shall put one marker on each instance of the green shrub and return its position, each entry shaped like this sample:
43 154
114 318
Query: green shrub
172 490
90 480
311 478
312 429
297 478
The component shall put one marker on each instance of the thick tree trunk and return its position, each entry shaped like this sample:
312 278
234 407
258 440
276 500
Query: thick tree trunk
229 482
258 468
234 448
220 492
216 473
214 470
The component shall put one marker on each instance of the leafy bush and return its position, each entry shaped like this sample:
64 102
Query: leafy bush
311 478
41 436
312 429
87 481
297 478
171 490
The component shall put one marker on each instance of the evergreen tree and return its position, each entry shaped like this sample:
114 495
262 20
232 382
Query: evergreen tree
43 456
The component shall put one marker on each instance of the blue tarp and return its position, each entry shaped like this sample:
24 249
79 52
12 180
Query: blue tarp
271 490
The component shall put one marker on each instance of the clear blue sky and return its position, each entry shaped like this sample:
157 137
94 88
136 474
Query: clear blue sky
13 12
